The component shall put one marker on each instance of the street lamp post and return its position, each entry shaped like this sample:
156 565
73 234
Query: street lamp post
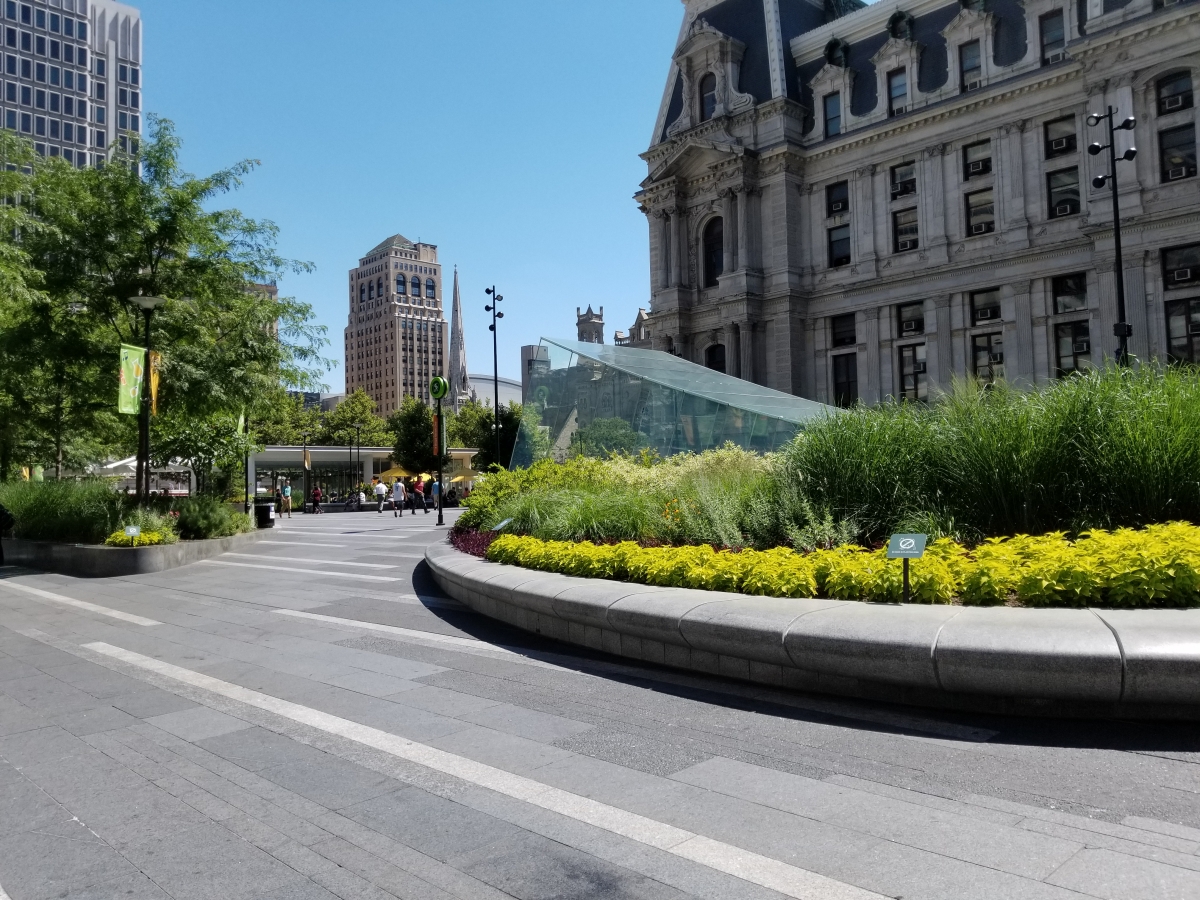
1122 330
147 305
304 469
358 441
493 308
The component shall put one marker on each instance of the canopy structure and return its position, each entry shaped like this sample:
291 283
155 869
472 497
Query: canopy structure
593 398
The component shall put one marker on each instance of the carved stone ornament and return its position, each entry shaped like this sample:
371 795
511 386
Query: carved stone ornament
936 150
706 51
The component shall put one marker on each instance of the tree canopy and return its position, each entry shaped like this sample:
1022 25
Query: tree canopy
412 425
474 426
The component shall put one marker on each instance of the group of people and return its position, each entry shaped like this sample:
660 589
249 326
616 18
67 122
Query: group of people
406 496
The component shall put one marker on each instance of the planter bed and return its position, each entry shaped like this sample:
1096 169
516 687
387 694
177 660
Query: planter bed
1063 662
98 561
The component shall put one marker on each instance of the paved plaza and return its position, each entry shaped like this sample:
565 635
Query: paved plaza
311 718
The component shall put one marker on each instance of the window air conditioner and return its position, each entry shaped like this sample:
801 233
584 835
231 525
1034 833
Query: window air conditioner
1174 174
1167 3
996 359
1063 209
981 165
1053 58
1172 102
898 110
1082 347
919 368
1059 144
839 205
1181 275
895 188
985 313
910 326
971 86
906 245
1194 328
980 228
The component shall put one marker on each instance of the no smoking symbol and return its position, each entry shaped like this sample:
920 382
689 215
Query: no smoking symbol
907 543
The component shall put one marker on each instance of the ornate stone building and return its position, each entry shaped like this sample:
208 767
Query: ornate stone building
590 325
853 202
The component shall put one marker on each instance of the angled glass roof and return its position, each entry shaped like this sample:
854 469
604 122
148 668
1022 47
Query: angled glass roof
681 375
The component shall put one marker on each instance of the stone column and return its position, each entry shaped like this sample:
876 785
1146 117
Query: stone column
677 248
868 383
746 351
1135 308
731 350
1021 369
1010 178
862 214
743 221
941 353
728 225
933 197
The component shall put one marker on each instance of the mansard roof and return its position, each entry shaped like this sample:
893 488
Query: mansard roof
397 242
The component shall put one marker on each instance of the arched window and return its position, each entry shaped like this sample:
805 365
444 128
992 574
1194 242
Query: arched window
416 286
379 287
401 285
900 26
714 358
370 291
714 252
837 52
362 293
708 96
430 289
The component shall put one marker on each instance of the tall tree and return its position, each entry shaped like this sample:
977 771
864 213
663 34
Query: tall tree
475 427
412 425
355 420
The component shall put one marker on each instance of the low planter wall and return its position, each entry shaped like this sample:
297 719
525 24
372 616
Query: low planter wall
1061 662
98 561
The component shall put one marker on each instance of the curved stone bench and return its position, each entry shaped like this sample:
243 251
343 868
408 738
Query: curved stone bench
1064 662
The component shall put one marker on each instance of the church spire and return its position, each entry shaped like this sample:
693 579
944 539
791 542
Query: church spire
460 384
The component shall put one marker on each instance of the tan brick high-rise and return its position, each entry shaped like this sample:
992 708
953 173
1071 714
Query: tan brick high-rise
396 333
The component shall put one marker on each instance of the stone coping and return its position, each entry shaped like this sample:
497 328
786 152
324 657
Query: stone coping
99 561
1061 662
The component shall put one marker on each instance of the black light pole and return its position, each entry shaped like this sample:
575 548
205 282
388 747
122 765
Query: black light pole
496 314
304 469
358 441
1122 330
147 305
439 388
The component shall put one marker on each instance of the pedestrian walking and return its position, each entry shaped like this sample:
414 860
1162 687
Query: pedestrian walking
397 497
380 493
436 492
419 490
286 506
316 498
412 497
278 500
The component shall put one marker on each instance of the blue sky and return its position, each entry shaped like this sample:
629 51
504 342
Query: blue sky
507 133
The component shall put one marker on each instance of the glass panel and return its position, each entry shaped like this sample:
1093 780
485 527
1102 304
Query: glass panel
1074 347
1063 188
843 331
981 212
833 115
1060 137
912 319
985 306
653 400
1070 293
708 97
1175 93
1053 34
897 91
1177 151
905 230
845 379
837 198
988 357
1183 330
970 65
839 246
913 380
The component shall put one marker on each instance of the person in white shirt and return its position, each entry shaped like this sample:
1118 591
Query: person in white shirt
380 494
397 497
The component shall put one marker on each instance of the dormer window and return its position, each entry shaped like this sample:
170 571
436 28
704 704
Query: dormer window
900 26
1053 36
833 115
897 92
708 97
837 52
970 66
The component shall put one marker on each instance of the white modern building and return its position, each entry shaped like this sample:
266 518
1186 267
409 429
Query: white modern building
851 202
72 76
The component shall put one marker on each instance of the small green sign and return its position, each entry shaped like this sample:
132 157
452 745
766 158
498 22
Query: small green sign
907 546
439 388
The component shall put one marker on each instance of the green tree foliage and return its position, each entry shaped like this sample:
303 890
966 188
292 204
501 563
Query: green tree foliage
280 419
412 425
354 421
203 444
138 226
474 426
603 437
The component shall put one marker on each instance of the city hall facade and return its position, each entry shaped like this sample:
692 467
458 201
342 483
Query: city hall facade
854 203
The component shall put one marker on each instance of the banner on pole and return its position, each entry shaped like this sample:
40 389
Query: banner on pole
437 434
129 398
155 365
307 460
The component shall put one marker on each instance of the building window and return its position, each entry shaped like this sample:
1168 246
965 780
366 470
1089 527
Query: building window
988 357
1181 266
914 384
1073 344
430 289
904 230
970 66
837 198
897 92
833 114
401 285
845 379
362 293
842 331
977 159
714 252
708 97
26 95
26 123
1183 330
912 319
1174 93
1060 137
904 179
415 283
839 246
1062 188
1052 27
985 306
1177 152
981 212
1069 293
39 99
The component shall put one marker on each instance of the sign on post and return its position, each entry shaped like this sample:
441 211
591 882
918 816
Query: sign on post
132 531
907 546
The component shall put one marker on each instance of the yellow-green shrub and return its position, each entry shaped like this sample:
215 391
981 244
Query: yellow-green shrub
1156 566
145 539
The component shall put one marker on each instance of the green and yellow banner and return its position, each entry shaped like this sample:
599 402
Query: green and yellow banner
133 373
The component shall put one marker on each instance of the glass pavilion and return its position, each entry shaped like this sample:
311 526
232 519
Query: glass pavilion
666 404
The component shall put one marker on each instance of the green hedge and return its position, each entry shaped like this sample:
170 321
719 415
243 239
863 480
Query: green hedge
1158 566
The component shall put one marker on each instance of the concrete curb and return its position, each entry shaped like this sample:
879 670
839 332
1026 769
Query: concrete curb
98 561
1060 662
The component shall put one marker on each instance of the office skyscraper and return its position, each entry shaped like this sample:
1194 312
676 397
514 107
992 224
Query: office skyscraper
72 72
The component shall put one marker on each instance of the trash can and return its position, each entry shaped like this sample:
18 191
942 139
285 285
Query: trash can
264 514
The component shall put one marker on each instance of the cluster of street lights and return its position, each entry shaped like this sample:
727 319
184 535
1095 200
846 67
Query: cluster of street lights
1122 330
496 314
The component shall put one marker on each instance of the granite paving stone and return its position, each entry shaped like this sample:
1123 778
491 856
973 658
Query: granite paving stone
197 724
